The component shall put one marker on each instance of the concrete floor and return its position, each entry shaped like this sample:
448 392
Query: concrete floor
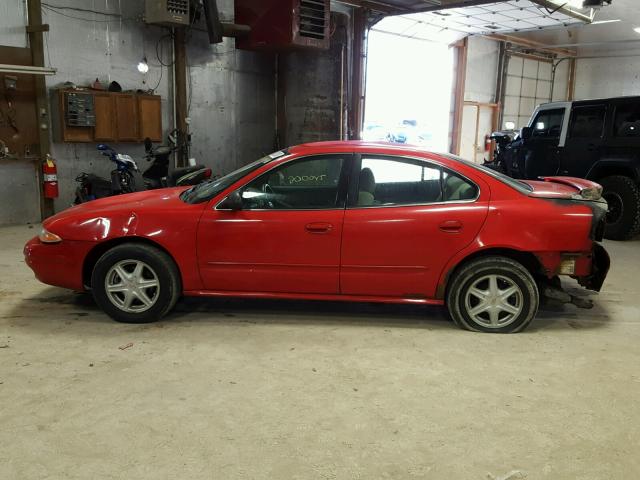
296 390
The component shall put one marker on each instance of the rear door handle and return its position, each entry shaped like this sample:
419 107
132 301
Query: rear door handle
318 227
451 226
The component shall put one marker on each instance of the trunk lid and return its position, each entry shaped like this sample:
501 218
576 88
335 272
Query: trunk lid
565 187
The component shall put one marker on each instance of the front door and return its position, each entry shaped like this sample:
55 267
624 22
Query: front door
540 154
286 238
584 140
407 219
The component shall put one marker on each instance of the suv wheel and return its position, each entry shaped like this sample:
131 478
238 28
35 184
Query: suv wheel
623 196
493 294
135 283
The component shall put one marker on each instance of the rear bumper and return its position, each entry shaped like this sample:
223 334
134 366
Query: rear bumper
59 264
589 268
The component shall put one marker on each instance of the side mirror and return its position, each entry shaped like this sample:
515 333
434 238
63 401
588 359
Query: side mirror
102 147
233 202
526 133
148 145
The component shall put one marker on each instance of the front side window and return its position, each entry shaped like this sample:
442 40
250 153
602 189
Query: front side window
627 122
390 181
588 122
303 184
548 123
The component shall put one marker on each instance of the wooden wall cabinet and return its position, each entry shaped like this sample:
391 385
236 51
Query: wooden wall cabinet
150 115
119 117
126 118
105 129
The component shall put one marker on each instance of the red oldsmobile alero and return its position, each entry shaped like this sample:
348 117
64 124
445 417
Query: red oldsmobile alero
335 221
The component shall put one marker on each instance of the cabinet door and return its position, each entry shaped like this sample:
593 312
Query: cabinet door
126 118
150 116
105 130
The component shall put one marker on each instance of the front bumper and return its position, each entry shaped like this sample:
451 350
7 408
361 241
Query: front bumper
57 264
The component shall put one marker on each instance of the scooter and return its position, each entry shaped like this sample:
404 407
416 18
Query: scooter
126 178
158 174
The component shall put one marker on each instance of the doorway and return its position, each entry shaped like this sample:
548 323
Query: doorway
408 91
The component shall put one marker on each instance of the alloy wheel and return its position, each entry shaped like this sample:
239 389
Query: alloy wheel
494 301
132 286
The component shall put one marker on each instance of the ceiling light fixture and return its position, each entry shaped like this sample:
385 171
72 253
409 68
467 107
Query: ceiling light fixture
143 66
637 29
27 69
576 3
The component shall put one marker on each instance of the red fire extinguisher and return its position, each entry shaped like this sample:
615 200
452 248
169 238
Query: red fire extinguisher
50 172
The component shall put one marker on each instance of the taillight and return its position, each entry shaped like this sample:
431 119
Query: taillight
207 173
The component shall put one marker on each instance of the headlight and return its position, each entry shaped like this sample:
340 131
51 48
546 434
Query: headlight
48 237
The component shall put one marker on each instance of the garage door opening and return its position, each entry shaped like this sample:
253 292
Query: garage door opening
408 96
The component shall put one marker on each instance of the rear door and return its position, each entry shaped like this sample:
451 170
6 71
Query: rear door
405 219
585 139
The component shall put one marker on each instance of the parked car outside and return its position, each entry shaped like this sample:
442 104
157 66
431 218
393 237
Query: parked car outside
350 221
597 140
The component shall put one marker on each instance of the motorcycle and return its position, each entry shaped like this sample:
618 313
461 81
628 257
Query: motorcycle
127 178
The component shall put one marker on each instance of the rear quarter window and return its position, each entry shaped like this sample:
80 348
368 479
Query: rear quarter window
626 122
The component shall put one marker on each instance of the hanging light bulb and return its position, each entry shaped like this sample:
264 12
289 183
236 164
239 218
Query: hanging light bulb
143 66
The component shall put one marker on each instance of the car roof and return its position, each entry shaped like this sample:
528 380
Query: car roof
355 146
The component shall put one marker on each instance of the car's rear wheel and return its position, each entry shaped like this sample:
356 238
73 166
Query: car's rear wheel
623 196
493 294
135 283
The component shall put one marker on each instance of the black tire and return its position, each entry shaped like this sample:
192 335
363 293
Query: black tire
623 195
526 300
156 263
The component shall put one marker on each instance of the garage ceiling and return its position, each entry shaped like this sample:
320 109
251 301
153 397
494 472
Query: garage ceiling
612 30
497 17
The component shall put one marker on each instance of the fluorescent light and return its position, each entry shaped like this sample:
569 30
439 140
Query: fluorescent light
27 69
637 29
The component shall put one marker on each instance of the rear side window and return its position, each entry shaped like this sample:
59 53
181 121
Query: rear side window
588 122
388 181
548 123
627 121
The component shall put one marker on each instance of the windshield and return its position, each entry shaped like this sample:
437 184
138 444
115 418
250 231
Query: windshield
513 183
204 192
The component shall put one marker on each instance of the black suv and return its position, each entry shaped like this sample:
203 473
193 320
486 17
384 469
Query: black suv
594 139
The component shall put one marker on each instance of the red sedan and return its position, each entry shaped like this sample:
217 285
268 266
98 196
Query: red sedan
335 221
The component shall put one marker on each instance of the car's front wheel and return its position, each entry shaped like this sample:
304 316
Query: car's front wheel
135 283
493 294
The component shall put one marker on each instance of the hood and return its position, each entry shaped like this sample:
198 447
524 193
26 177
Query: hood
95 220
565 187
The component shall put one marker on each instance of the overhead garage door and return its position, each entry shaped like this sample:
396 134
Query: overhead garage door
529 83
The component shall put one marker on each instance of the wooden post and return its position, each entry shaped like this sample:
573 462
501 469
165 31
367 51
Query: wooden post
571 88
358 74
180 76
461 78
36 43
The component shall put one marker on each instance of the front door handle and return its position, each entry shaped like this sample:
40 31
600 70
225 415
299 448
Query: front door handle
451 226
318 227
